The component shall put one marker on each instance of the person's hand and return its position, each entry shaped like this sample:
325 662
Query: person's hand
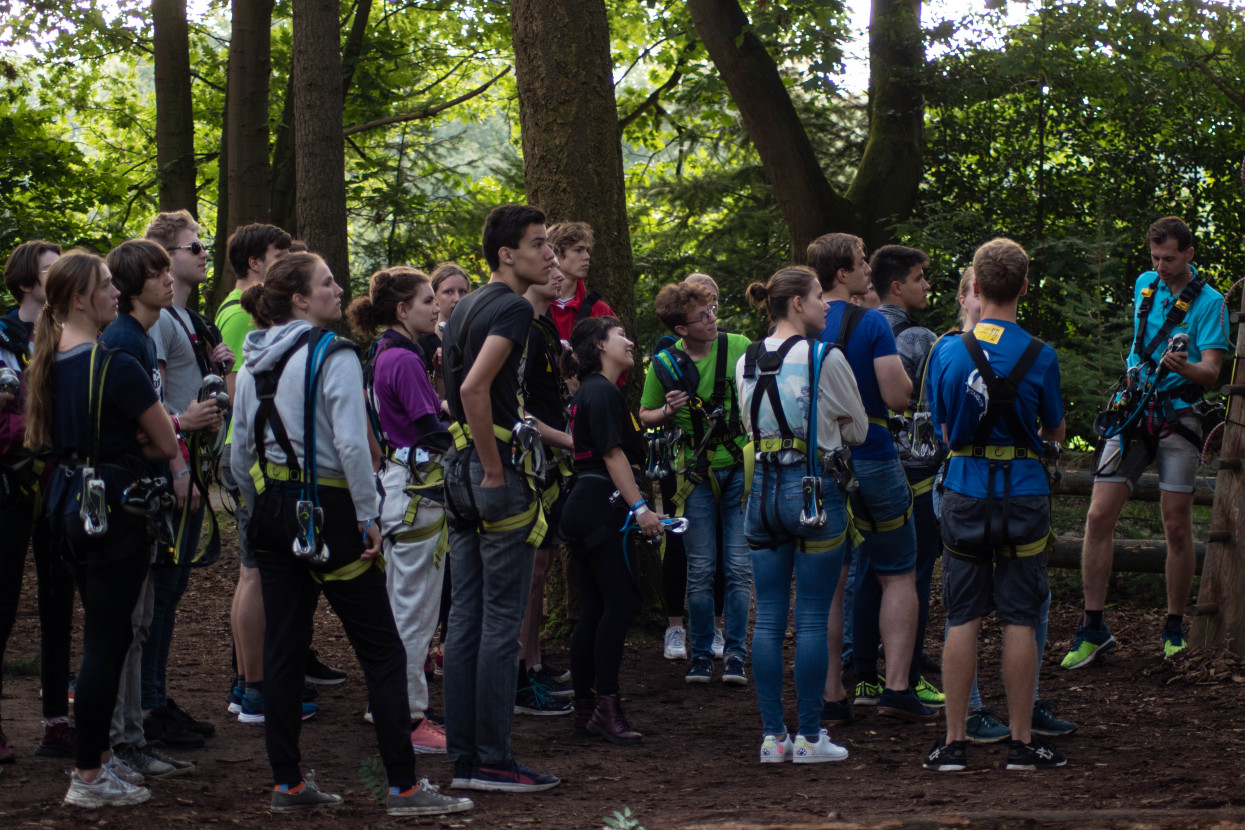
491 479
436 360
676 399
650 524
183 488
371 541
201 415
1176 362
223 354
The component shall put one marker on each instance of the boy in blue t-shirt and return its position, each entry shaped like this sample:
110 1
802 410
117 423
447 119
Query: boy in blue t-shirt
990 391
1176 304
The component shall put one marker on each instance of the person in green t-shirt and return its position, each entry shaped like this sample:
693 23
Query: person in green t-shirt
251 249
712 455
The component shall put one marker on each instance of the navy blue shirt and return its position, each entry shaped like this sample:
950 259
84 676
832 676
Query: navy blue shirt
126 334
128 392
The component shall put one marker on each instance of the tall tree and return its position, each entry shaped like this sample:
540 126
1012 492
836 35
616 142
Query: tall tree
320 155
250 64
175 125
885 186
572 144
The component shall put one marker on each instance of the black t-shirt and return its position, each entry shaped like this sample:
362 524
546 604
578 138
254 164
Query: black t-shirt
543 396
601 421
128 392
506 314
428 345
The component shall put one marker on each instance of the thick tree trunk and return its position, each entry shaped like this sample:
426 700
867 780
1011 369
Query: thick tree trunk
223 276
175 127
320 157
809 204
250 64
284 190
885 186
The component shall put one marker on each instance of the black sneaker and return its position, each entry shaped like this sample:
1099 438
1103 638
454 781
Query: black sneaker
179 716
701 671
161 731
1047 724
1033 756
548 671
535 699
946 757
905 705
836 712
552 687
510 777
321 674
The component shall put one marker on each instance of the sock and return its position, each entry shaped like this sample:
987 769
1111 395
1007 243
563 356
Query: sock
1093 619
402 792
286 788
1175 621
56 720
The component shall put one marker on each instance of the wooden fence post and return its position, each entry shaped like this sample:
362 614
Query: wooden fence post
1221 597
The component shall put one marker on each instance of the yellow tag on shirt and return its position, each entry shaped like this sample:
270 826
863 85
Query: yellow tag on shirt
636 423
988 332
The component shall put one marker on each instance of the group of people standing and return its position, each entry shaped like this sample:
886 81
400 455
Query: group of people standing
428 485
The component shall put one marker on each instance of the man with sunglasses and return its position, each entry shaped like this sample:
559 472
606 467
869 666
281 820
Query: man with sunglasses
710 487
187 349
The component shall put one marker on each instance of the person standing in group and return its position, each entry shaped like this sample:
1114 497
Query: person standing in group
495 517
990 390
572 243
604 515
91 407
1177 352
450 284
403 409
301 454
882 505
801 406
24 274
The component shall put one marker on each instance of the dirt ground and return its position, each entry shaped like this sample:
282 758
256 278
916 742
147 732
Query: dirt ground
1159 746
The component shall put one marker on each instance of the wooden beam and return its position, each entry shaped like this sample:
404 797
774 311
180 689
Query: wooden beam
1142 556
1081 483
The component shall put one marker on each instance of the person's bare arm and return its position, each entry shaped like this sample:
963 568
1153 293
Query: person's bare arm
893 381
162 441
478 406
1055 433
624 481
1204 373
675 400
551 437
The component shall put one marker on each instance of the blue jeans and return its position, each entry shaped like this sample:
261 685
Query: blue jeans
816 577
492 580
884 495
169 583
704 513
852 555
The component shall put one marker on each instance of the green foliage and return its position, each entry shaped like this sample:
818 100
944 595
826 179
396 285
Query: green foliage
624 820
375 779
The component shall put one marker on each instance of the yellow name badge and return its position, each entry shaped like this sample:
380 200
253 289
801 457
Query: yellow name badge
636 423
988 332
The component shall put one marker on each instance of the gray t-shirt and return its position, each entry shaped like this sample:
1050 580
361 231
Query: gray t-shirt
182 376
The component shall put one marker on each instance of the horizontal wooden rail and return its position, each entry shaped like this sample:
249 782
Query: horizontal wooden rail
1081 483
1143 556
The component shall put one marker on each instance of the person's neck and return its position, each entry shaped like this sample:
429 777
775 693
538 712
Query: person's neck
610 371
78 329
839 293
1176 287
539 304
509 279
786 329
28 310
400 328
697 349
181 293
145 315
911 312
569 287
999 311
250 280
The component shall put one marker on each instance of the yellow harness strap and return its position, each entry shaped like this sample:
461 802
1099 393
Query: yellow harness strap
993 452
461 433
923 486
277 472
1016 551
822 546
347 572
879 422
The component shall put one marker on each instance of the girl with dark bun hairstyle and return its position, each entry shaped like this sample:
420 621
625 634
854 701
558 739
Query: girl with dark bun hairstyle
795 520
608 453
403 409
301 454
90 406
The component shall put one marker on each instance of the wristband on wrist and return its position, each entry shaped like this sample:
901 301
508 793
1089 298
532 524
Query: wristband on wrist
181 474
665 411
177 424
637 512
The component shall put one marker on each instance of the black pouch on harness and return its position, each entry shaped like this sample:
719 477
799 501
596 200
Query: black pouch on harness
282 514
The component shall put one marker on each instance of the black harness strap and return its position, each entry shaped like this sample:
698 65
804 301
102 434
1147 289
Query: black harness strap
455 354
1175 316
1001 396
770 364
267 416
585 308
852 315
389 339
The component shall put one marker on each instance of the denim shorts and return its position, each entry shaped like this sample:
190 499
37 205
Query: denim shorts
885 495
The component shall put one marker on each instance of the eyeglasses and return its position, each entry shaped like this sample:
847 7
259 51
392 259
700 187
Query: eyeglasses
708 316
195 248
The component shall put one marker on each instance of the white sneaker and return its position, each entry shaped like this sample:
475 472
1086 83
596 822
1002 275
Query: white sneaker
119 769
775 750
676 643
719 643
816 753
105 791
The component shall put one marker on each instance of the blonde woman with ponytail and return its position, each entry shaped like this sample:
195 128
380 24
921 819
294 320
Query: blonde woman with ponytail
109 567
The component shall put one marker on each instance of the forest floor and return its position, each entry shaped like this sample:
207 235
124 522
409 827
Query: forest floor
1159 746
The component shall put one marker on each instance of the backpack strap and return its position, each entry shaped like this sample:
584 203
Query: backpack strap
1001 390
389 339
13 339
852 315
764 366
585 308
455 352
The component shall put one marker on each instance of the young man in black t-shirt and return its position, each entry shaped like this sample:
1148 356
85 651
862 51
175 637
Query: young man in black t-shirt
491 508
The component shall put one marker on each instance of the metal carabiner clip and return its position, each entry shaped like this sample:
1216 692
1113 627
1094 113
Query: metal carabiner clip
676 526
814 513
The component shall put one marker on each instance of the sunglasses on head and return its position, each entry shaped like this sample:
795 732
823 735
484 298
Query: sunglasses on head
195 248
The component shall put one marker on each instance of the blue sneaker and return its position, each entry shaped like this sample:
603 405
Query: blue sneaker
1045 723
510 777
1087 645
701 671
984 728
253 710
234 699
837 712
905 705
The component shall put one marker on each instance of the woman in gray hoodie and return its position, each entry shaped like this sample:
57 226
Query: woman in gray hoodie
300 452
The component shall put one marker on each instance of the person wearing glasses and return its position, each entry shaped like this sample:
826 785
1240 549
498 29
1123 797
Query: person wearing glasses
185 356
699 398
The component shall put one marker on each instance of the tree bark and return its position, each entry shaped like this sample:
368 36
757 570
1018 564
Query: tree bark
320 156
250 64
809 204
175 128
284 194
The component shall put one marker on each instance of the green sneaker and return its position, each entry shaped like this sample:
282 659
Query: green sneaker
1173 641
1087 645
929 695
868 694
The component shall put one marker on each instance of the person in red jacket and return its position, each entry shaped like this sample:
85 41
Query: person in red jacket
572 242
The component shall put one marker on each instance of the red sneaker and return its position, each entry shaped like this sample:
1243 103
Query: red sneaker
428 738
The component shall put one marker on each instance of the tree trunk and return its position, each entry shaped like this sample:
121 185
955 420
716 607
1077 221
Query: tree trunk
223 278
1223 575
320 157
809 204
250 64
885 186
572 153
284 195
175 127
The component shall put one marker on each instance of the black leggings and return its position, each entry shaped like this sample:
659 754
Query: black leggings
55 598
109 575
609 592
362 605
674 565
